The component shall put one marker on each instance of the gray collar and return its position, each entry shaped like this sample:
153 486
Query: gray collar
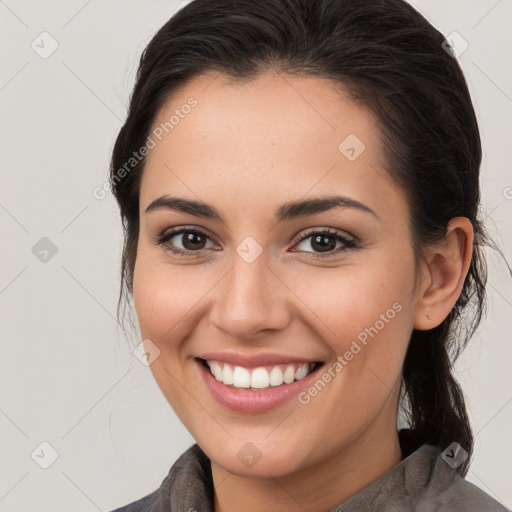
421 481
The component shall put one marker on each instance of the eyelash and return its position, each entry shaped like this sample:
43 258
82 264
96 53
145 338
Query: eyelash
164 237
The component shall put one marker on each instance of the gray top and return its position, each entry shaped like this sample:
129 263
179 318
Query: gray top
421 482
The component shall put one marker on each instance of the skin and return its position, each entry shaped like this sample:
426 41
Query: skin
247 148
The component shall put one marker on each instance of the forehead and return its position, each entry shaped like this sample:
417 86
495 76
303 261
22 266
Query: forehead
273 138
273 109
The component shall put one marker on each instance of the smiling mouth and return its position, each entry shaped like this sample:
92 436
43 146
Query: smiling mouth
259 378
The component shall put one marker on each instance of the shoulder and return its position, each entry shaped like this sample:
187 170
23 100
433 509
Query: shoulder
148 503
465 496
443 487
453 492
424 481
188 483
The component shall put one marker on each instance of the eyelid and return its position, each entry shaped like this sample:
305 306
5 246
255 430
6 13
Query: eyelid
349 241
324 230
165 235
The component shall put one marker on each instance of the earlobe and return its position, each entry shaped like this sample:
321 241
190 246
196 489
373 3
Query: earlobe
447 266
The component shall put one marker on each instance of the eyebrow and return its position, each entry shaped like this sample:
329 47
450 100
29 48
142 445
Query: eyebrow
285 212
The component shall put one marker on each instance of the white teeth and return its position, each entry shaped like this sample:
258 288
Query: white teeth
289 374
276 376
227 374
216 370
301 372
260 377
241 377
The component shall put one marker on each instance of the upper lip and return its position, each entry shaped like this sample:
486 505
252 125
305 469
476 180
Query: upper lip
255 360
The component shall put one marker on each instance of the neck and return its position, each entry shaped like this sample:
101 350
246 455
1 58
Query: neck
320 487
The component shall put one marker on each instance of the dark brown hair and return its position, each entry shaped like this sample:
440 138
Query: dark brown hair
389 58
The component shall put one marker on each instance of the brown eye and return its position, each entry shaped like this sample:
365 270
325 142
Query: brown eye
325 242
184 241
192 241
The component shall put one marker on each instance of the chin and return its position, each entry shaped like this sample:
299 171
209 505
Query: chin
259 459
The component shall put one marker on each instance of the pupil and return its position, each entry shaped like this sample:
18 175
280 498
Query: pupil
193 240
323 244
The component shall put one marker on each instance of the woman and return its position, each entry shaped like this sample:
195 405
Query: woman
299 186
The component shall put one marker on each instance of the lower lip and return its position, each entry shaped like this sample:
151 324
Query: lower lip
244 400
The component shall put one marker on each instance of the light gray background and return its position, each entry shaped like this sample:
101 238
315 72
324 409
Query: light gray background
68 375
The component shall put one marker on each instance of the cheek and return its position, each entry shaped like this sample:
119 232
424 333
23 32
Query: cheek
166 297
346 302
166 301
364 315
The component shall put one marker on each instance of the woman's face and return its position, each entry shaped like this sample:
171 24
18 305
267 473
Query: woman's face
259 286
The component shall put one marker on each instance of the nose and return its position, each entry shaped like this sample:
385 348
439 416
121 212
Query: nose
251 301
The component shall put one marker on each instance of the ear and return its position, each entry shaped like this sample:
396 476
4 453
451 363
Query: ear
446 267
